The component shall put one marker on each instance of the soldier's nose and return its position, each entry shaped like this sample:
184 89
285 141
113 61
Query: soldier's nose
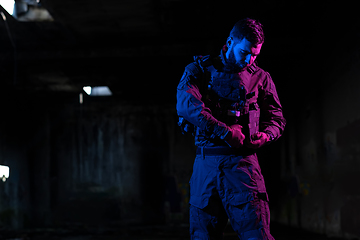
248 58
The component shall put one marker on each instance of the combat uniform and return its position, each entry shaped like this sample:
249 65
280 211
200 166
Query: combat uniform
227 182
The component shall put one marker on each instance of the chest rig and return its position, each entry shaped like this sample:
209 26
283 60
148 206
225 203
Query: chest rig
228 97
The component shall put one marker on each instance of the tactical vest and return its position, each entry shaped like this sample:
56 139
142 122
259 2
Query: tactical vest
228 97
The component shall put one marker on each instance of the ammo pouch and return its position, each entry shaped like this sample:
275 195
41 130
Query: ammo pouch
254 118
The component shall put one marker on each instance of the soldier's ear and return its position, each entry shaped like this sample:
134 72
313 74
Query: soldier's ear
229 41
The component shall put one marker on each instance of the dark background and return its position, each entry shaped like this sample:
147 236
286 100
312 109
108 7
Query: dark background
121 160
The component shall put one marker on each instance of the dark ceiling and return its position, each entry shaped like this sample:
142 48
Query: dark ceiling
141 47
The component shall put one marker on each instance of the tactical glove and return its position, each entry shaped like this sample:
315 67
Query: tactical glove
235 138
257 140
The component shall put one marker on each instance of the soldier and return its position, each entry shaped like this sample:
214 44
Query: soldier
232 107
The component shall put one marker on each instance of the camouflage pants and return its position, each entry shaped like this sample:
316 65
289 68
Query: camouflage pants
226 188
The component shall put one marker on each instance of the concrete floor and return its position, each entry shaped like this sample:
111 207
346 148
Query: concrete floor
169 232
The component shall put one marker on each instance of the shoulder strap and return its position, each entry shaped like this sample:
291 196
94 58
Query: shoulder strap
193 68
252 68
199 65
205 61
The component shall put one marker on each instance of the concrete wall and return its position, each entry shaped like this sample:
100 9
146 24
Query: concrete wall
98 163
322 152
321 172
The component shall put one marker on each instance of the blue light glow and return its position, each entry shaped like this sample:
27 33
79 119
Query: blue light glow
97 91
8 5
4 172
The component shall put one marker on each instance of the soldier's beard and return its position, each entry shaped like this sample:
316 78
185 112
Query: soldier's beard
232 61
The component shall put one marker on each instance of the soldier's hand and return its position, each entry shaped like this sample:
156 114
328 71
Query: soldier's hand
235 138
257 140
